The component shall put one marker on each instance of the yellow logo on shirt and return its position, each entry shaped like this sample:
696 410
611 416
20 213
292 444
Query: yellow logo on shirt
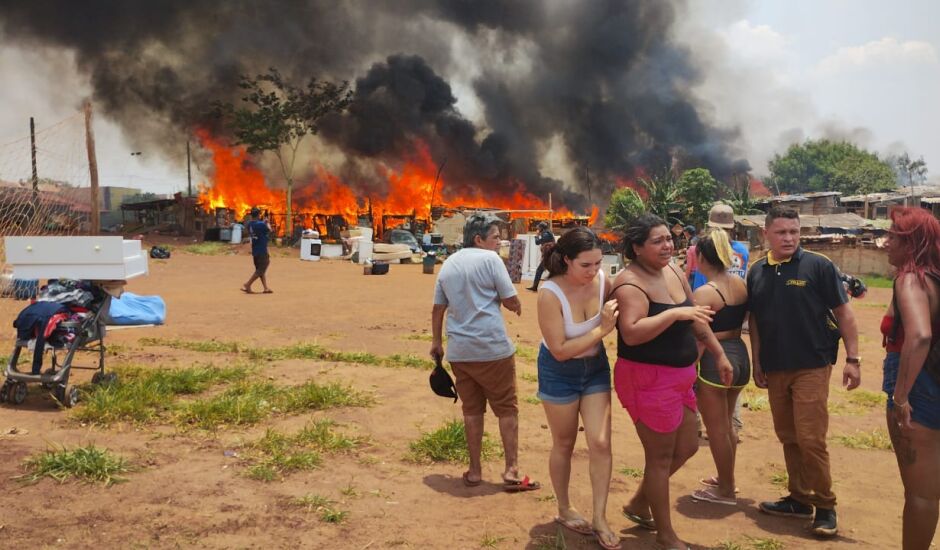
796 282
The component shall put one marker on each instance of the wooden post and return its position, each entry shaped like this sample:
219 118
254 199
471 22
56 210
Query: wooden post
32 151
189 172
92 170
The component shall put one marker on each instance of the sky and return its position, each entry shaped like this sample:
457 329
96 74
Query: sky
777 72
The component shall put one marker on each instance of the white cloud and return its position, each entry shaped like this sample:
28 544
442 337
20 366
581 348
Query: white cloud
887 50
756 42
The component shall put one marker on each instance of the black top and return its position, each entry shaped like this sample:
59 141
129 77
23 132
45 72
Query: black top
728 317
673 347
792 302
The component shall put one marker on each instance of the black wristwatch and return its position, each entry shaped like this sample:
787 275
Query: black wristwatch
854 360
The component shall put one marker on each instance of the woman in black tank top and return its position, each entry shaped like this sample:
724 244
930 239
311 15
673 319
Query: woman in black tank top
726 294
660 331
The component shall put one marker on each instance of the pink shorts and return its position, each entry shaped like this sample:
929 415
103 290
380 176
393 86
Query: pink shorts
655 394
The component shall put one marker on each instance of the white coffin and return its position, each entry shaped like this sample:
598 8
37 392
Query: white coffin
94 258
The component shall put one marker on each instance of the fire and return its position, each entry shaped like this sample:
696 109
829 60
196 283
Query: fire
239 185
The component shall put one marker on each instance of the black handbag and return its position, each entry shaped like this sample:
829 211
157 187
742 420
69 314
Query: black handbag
441 382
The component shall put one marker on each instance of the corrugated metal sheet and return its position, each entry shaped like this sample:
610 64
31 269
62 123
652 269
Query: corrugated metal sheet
844 221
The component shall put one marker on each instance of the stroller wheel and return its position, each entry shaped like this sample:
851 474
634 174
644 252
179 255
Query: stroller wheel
71 396
18 395
5 391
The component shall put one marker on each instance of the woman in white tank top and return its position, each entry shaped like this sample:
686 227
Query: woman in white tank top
574 374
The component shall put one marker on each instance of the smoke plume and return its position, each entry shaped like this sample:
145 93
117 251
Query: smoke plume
601 77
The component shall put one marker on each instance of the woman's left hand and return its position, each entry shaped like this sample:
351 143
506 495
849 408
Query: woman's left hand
725 370
902 414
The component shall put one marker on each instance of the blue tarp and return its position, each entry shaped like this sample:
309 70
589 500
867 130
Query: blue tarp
132 309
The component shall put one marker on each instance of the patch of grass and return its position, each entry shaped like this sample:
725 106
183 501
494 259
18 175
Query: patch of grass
313 396
302 350
349 491
764 543
333 515
424 337
241 405
754 399
635 473
143 394
490 541
865 398
877 281
204 346
276 454
448 444
408 361
250 402
210 248
780 478
877 439
323 506
529 377
550 497
311 502
90 464
527 353
532 400
728 545
839 407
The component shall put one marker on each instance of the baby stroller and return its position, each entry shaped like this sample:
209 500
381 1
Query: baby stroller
82 329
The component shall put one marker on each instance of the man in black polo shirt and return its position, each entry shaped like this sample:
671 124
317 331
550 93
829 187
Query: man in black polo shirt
799 310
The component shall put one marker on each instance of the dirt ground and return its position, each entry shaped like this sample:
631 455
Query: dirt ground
188 493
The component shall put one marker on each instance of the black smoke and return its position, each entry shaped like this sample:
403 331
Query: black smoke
601 76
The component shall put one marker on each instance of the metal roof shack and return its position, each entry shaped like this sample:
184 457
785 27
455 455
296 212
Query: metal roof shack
878 205
818 203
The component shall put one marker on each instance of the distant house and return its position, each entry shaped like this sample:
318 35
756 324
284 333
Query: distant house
877 206
817 203
849 240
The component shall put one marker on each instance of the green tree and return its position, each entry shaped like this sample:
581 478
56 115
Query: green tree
686 199
625 206
825 165
663 194
698 192
275 116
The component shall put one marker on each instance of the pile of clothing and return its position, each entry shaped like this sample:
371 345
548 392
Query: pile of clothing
60 300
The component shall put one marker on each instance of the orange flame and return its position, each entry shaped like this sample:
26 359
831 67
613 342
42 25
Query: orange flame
239 185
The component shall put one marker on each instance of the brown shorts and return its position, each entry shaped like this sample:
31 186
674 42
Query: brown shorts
493 381
262 261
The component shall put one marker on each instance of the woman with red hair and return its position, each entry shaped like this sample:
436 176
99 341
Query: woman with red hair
911 378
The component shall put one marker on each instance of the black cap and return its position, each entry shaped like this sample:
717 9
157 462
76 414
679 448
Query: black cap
441 382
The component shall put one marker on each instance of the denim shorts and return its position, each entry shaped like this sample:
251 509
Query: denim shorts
924 396
563 382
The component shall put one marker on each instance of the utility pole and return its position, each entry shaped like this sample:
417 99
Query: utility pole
32 151
189 172
92 170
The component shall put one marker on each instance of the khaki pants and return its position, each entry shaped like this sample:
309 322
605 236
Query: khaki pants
798 403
